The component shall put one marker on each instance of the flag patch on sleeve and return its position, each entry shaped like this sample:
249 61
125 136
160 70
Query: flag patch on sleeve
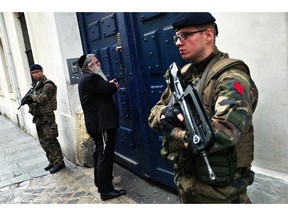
239 87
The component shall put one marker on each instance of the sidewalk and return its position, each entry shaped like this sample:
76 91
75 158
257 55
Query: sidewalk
23 179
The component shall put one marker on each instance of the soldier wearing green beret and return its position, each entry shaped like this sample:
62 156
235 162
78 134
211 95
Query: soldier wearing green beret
229 96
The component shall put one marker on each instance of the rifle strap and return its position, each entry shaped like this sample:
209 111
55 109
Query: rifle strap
216 67
200 85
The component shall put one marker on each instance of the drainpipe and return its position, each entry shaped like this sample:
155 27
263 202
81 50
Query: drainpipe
10 63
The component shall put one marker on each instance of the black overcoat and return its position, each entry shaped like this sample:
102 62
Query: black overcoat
96 96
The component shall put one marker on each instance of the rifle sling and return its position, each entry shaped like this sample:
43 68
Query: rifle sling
200 85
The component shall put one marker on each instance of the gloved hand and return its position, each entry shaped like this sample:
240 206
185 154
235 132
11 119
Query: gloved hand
170 118
33 95
28 100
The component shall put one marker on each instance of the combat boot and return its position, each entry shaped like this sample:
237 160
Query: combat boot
48 167
56 168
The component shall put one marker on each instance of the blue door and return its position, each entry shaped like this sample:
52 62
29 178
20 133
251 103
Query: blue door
136 49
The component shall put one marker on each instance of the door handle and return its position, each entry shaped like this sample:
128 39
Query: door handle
119 43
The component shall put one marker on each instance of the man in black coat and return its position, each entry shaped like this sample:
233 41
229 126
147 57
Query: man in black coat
101 120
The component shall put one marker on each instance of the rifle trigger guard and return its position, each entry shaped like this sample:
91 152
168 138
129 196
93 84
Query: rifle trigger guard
196 139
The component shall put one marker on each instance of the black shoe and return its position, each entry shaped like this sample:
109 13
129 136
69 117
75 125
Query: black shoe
48 167
57 168
112 194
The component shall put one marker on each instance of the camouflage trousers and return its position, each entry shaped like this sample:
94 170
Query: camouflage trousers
47 131
192 190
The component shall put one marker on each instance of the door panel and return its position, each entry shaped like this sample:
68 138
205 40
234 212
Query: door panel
157 51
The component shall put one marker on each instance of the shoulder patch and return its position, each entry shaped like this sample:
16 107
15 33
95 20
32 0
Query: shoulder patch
238 87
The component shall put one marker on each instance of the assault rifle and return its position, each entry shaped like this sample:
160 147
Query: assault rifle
26 99
197 124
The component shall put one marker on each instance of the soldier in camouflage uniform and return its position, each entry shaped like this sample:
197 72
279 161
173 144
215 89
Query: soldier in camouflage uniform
229 97
42 107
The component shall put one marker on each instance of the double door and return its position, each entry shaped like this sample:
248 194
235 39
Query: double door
136 49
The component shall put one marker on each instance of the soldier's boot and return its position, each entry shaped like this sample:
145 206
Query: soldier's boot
48 167
57 168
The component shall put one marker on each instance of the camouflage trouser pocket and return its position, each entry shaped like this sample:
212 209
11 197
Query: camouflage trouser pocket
195 191
192 190
243 179
50 131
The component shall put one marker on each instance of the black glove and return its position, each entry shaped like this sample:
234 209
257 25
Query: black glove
26 100
29 100
169 119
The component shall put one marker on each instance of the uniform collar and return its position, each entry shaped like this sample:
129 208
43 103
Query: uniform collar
200 67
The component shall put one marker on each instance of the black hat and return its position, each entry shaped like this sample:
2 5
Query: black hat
36 67
81 60
192 19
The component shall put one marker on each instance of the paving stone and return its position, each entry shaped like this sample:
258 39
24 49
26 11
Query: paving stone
23 179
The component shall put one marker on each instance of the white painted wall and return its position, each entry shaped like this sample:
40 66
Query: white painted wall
261 40
54 38
15 65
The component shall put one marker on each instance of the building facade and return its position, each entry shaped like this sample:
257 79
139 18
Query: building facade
137 48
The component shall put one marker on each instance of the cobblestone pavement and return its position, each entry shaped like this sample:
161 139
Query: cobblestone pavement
72 185
21 156
23 179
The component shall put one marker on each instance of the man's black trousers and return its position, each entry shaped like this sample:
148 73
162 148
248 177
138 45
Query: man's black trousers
103 160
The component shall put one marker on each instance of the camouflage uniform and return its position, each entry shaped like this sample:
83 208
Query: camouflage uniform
43 107
229 100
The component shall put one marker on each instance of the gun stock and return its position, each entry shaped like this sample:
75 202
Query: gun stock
201 134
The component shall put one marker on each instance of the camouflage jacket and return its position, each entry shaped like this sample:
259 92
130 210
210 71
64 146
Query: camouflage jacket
44 99
229 102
